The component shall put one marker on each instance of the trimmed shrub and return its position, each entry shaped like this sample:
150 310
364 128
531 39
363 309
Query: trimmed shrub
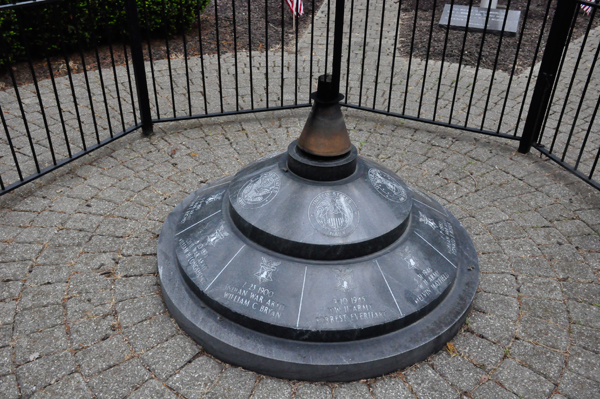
65 25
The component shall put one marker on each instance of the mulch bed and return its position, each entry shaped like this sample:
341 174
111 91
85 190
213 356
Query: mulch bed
469 54
451 49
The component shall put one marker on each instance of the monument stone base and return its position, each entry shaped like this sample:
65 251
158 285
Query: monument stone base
474 19
353 277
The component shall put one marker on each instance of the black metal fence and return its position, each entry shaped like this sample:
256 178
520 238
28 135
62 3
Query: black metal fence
62 99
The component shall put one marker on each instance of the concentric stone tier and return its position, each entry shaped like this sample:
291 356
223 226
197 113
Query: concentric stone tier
318 281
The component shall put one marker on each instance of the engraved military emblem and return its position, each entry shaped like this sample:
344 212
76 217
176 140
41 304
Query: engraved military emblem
217 235
345 280
259 191
267 267
410 260
427 220
215 197
333 214
387 186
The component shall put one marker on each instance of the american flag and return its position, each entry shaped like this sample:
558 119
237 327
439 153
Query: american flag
297 9
586 8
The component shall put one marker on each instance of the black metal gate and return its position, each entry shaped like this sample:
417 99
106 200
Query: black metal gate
562 120
397 60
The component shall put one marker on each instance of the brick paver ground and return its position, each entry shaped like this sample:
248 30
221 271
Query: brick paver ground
81 313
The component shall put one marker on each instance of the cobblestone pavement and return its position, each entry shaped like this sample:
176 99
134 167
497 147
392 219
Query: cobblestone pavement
82 315
80 308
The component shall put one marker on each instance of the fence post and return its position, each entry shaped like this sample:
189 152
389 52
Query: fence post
139 71
338 34
540 101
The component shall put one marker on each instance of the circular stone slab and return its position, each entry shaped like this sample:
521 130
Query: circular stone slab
329 281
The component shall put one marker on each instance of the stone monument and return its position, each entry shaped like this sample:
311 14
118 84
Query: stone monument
315 263
497 20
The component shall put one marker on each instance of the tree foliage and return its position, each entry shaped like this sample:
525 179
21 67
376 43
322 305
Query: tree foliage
47 29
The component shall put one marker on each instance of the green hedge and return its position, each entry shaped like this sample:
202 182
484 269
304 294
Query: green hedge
46 28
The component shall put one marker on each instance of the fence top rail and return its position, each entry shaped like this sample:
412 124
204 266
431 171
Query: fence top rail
25 3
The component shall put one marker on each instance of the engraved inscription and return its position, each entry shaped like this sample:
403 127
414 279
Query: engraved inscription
387 186
267 268
350 309
198 203
333 214
444 228
427 281
195 251
345 279
195 257
447 232
259 191
255 297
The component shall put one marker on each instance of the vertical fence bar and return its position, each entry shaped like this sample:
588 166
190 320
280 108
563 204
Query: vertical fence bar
131 95
437 93
60 111
295 15
235 59
267 52
57 97
139 70
149 45
10 144
282 49
593 169
35 83
100 75
487 101
85 74
218 56
185 57
537 49
250 55
201 58
168 48
312 41
460 60
394 55
514 66
487 18
558 73
540 100
327 34
338 33
573 75
9 67
589 129
114 69
362 68
379 54
427 56
583 94
412 46
349 48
